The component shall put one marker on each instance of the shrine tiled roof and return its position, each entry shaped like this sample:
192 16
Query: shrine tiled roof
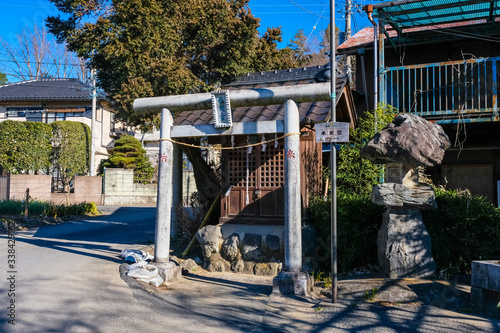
311 112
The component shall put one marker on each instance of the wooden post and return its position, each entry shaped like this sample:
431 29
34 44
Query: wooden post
26 203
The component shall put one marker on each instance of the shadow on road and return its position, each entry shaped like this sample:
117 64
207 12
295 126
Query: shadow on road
97 236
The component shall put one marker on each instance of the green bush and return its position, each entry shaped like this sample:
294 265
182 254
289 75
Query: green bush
25 146
358 221
462 229
46 209
129 154
71 149
356 175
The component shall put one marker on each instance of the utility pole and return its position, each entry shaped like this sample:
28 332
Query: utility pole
348 10
92 123
333 153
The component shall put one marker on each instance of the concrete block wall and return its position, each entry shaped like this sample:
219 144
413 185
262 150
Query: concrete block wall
120 190
118 181
145 189
39 185
87 189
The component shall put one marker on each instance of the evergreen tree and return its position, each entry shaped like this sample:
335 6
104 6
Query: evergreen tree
356 175
301 51
144 48
129 154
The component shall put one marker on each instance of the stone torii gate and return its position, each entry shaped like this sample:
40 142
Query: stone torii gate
291 279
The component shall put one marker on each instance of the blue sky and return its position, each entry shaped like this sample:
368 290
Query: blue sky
14 16
311 15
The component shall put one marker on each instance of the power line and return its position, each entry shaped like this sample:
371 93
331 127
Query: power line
302 49
76 64
25 6
458 33
308 11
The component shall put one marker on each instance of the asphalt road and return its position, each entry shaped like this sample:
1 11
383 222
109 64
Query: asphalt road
67 278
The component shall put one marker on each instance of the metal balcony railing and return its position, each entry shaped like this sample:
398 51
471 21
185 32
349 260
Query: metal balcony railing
446 92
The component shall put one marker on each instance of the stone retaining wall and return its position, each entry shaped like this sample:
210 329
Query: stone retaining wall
249 249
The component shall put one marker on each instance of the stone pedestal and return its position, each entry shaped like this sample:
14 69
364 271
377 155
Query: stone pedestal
485 287
399 195
297 283
169 271
404 244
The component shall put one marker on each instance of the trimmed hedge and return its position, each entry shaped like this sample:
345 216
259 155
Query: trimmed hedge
463 228
71 149
46 209
358 222
26 146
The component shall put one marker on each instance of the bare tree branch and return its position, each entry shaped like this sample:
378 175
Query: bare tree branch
37 55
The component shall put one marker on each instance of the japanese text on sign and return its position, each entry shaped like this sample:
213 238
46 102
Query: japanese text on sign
332 132
221 109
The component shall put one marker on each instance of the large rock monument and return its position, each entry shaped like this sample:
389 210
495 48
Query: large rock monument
409 142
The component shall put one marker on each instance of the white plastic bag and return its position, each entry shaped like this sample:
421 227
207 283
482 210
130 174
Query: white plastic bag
131 255
147 273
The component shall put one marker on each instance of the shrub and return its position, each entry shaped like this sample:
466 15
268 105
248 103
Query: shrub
358 219
46 209
25 146
356 175
71 149
462 229
129 154
358 222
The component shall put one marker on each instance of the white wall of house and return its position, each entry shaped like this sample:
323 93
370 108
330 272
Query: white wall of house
150 143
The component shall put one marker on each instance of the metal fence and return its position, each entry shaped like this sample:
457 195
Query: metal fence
446 91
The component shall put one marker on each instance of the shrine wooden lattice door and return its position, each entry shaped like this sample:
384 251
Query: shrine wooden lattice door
257 180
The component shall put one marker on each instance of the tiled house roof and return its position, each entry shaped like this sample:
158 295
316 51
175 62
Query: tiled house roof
314 112
47 90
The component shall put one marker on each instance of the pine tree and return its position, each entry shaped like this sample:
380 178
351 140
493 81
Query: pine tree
129 154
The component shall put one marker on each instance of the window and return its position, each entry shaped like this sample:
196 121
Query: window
36 116
51 117
22 111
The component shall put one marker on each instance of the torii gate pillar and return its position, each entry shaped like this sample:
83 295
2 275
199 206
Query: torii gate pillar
168 270
292 280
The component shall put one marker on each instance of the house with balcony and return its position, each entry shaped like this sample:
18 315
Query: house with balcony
49 100
439 60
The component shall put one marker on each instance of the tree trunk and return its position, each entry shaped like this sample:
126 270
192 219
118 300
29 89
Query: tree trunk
207 182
